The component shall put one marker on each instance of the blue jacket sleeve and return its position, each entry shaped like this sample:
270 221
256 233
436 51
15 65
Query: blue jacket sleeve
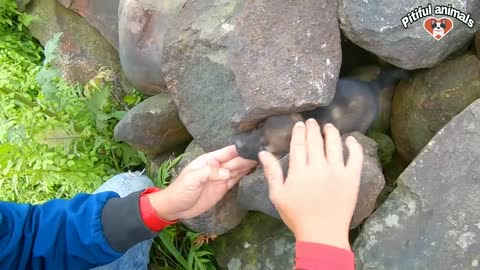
60 234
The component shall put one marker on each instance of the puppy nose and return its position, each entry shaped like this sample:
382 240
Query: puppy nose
242 147
246 151
239 144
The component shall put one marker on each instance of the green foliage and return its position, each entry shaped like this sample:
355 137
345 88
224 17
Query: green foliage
54 140
164 175
177 247
386 147
20 54
133 98
11 20
183 251
48 75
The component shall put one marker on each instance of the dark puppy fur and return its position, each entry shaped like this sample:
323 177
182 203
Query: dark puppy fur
354 108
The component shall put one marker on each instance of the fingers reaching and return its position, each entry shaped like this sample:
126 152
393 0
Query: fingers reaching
272 170
355 157
315 148
333 146
298 148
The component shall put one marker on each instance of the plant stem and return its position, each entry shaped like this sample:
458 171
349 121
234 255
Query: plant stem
22 99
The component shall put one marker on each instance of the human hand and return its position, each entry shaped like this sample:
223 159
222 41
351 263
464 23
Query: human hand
201 184
319 196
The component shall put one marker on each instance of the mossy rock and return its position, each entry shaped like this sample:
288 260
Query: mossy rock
386 147
430 100
82 50
259 242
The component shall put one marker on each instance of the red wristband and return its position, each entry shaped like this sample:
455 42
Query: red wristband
148 213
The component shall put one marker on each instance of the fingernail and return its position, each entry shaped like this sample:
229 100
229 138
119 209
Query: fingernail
311 120
329 125
223 173
300 124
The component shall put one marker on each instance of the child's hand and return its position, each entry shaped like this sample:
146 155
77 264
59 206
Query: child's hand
201 184
319 196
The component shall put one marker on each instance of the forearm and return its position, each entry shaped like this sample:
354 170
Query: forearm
128 221
81 233
55 235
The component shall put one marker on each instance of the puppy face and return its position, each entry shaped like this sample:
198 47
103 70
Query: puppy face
438 26
272 135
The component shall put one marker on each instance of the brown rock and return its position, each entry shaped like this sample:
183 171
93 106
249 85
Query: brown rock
430 99
103 15
233 63
153 126
142 27
82 51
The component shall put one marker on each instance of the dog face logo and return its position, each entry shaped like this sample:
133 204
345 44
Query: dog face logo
438 28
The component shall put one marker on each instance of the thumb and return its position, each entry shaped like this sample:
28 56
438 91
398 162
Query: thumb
272 170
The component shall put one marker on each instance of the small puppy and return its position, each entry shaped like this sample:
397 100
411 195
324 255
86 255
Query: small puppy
354 108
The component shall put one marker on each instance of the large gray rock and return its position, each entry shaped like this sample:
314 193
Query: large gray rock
224 216
153 126
103 15
377 27
260 242
253 193
431 220
422 106
372 179
232 63
142 26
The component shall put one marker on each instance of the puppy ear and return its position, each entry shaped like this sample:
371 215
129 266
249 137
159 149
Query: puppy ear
444 23
433 23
